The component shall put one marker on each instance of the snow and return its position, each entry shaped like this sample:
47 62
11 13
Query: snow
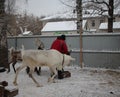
27 32
86 82
62 15
116 25
61 26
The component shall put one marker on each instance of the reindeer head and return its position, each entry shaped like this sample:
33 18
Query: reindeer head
68 59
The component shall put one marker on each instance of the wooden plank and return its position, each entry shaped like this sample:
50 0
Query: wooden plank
1 91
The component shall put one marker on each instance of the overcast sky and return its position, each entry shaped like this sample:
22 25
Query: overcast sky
41 7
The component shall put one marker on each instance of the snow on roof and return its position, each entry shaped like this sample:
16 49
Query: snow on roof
93 29
69 16
26 32
61 26
66 15
103 26
86 14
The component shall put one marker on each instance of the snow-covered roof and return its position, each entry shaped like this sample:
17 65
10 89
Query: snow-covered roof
103 26
86 14
66 15
61 26
26 32
69 15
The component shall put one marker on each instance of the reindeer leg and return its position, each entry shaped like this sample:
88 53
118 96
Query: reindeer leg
30 75
38 70
14 66
9 67
27 70
17 71
54 71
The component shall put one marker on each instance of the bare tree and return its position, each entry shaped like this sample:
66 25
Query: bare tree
3 29
110 9
79 27
3 36
102 6
110 15
98 6
27 22
78 10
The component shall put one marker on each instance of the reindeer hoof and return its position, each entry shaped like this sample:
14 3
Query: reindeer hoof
51 80
54 81
8 71
15 83
39 85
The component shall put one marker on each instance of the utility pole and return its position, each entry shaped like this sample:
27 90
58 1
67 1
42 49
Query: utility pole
79 27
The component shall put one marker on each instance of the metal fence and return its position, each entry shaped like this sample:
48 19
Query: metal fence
99 50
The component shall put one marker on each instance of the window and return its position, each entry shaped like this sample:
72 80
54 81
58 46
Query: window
101 21
114 19
93 23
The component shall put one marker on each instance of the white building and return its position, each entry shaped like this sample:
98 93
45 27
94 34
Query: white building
61 27
93 19
104 26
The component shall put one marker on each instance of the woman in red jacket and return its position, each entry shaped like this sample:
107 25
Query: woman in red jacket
60 44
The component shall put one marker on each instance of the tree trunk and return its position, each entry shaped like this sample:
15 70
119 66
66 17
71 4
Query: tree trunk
79 27
110 16
3 37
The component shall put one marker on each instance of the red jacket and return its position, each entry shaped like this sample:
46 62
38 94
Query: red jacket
60 45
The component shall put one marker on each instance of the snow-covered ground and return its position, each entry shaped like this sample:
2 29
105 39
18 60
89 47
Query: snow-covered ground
86 82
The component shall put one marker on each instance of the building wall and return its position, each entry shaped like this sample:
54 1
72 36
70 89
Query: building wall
93 23
59 33
117 18
114 31
96 19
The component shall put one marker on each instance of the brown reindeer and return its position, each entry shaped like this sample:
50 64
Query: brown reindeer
15 56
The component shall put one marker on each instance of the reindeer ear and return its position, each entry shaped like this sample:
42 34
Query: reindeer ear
11 49
23 46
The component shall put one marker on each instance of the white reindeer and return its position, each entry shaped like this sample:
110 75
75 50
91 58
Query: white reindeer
51 58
